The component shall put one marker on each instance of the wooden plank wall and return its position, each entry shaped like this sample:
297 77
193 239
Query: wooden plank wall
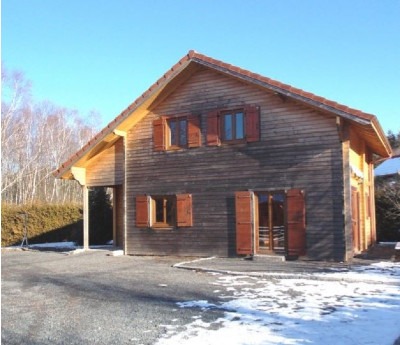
107 168
120 210
359 157
299 148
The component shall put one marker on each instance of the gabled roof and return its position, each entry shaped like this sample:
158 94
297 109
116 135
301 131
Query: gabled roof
367 123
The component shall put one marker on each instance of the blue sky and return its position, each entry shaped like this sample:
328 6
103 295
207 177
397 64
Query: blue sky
101 55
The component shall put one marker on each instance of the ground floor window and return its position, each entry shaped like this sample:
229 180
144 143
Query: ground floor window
164 211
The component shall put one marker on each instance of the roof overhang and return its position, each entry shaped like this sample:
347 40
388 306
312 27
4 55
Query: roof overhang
127 119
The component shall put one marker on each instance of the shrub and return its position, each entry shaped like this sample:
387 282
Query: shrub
45 223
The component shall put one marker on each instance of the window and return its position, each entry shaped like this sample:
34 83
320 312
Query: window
233 125
178 132
164 211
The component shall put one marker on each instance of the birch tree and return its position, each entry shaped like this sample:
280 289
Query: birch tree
36 138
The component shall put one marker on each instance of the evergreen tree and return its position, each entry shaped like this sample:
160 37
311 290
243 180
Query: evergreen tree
387 200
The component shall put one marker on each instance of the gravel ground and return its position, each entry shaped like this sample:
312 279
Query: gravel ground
94 298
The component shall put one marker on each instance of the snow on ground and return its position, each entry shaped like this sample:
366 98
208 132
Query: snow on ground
266 310
53 245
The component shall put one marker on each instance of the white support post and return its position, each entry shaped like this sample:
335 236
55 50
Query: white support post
85 190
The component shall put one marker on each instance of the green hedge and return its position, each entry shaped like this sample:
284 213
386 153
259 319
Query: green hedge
45 223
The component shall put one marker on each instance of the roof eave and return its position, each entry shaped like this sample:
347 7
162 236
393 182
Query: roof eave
304 97
64 171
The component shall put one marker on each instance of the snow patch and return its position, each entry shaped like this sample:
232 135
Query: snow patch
54 245
357 307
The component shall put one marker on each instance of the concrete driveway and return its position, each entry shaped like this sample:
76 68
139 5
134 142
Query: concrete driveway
94 298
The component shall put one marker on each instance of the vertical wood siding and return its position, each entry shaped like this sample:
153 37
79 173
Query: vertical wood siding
298 148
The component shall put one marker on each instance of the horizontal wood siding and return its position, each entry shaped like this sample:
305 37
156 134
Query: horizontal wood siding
107 169
298 148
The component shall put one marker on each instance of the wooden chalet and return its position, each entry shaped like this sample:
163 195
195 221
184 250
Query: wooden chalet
215 160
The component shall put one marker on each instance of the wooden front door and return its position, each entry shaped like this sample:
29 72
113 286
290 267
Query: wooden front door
270 230
355 219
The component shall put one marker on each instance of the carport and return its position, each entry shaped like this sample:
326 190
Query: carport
102 165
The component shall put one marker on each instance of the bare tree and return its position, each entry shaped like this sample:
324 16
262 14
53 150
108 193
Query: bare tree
36 138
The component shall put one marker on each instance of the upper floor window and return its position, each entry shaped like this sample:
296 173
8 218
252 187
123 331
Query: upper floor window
232 124
240 125
178 132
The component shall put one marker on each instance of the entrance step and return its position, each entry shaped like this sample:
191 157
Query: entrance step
269 258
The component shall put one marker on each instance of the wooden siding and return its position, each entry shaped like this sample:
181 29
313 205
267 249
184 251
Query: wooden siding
119 215
360 157
107 169
348 231
299 148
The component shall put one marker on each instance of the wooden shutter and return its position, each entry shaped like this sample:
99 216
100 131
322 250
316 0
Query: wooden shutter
159 134
142 211
252 123
184 210
194 132
296 224
213 138
244 222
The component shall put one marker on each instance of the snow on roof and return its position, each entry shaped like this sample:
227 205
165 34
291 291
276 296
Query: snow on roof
389 167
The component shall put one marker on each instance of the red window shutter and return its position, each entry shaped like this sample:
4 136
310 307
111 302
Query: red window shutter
296 222
244 222
213 138
194 131
159 134
184 210
142 211
252 123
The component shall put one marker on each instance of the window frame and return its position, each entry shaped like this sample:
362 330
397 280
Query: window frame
177 120
181 211
216 128
154 208
233 113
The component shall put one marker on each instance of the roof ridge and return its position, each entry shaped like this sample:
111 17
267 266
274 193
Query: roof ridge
285 87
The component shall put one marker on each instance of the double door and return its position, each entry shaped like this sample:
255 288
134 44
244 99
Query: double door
270 223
